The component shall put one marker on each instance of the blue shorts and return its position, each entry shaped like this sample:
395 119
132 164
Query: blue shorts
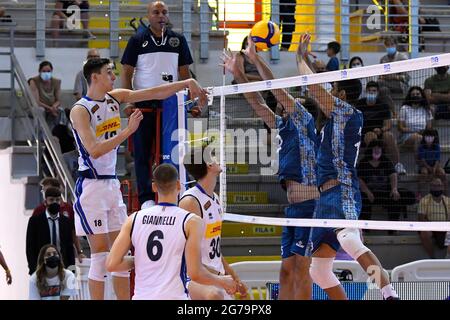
339 202
295 239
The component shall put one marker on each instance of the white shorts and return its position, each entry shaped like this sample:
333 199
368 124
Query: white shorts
99 206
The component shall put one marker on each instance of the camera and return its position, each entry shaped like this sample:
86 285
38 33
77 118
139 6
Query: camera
166 77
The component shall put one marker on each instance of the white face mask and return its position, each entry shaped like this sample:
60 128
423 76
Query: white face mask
357 65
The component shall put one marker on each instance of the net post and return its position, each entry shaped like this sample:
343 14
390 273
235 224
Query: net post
223 165
181 139
414 28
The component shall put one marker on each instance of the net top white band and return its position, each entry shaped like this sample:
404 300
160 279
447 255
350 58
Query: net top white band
332 76
340 224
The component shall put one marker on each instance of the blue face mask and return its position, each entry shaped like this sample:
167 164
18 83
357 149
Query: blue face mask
371 97
46 76
391 51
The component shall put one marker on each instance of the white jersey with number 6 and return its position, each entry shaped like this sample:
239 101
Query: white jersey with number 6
212 217
159 239
105 122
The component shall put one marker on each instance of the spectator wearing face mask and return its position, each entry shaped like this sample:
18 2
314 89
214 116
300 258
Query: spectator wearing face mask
429 158
378 124
396 83
415 116
66 209
46 90
50 227
379 184
434 207
51 281
437 91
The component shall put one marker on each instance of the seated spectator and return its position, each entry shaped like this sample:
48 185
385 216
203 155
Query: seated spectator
66 210
396 83
80 87
379 184
51 281
437 91
63 11
46 90
5 267
434 207
333 48
429 158
50 227
5 18
415 116
378 124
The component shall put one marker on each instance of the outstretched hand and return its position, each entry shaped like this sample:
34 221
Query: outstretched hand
302 50
229 61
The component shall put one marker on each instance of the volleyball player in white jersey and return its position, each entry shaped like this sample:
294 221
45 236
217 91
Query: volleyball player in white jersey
203 201
167 241
100 211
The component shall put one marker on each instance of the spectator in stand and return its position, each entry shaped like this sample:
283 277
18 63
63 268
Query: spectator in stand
63 10
66 209
5 267
80 87
437 91
51 281
434 207
5 18
379 184
429 158
46 90
333 48
50 227
397 83
415 116
378 124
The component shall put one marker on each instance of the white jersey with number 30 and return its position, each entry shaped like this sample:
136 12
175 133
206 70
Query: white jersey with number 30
212 217
159 239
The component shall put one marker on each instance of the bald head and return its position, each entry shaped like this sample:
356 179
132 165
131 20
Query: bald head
158 16
93 53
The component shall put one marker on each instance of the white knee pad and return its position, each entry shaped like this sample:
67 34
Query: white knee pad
121 274
350 241
321 272
97 271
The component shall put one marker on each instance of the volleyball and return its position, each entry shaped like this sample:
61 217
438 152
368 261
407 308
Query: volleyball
265 34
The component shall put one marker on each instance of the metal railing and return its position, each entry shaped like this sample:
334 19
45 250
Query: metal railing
38 133
358 27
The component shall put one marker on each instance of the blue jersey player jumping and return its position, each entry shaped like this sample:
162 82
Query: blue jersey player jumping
340 198
297 172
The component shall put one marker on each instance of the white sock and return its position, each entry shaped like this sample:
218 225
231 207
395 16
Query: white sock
389 291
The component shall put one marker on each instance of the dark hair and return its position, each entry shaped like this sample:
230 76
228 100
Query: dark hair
52 192
195 162
41 271
390 39
372 84
424 102
244 43
53 182
94 66
371 146
353 59
44 64
352 88
335 46
430 132
165 176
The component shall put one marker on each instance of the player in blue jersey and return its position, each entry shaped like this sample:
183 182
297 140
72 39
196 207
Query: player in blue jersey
297 172
340 198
